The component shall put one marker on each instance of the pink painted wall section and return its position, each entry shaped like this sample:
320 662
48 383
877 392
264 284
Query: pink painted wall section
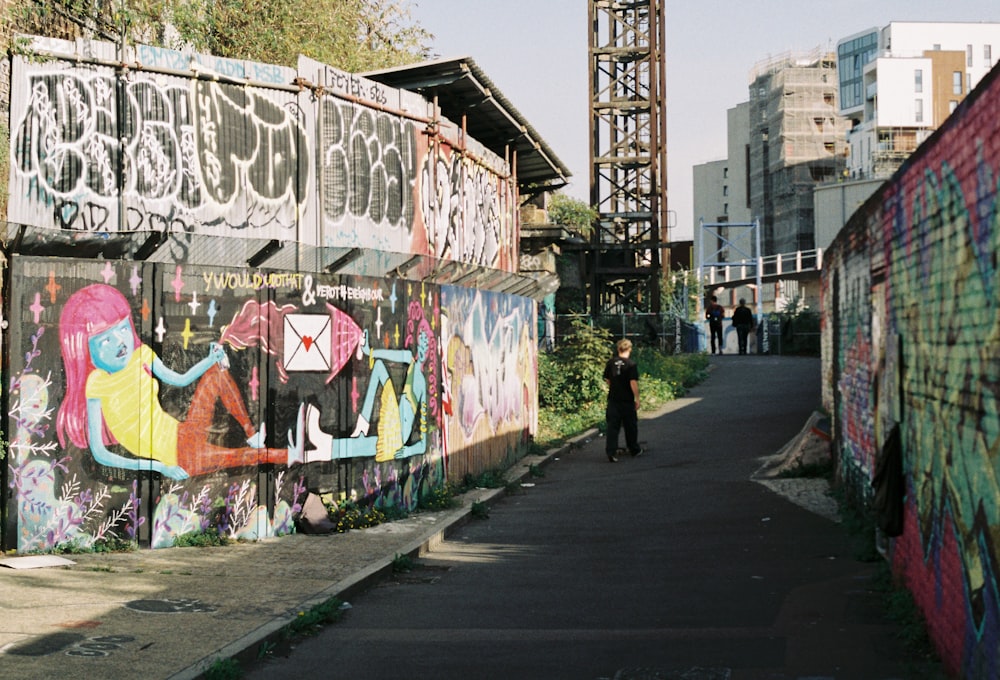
911 334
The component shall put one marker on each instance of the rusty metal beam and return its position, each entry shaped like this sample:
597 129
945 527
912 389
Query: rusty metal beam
626 82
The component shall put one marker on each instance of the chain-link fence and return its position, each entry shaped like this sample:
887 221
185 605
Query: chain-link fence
798 334
667 332
782 333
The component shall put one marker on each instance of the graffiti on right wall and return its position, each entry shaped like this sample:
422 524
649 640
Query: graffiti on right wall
912 335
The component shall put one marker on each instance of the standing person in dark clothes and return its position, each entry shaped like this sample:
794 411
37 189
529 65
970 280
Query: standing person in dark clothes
714 313
622 376
743 323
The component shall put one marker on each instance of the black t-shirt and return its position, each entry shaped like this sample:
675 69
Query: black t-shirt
620 372
742 316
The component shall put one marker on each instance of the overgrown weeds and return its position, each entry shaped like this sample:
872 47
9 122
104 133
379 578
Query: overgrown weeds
312 620
201 539
440 498
898 603
903 611
110 544
859 523
402 564
224 669
480 510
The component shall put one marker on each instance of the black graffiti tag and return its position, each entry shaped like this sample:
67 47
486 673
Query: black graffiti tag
184 152
369 165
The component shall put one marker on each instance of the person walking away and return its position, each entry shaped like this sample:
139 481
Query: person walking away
622 376
743 322
714 313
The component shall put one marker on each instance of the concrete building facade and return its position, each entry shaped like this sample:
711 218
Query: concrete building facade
721 187
898 83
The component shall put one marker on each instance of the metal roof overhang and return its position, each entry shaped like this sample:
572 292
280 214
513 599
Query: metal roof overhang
271 254
463 89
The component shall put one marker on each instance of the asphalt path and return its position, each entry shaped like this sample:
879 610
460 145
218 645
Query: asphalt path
674 564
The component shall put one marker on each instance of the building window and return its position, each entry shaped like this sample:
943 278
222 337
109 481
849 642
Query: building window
988 55
968 55
725 173
956 82
725 208
918 80
952 105
918 105
725 189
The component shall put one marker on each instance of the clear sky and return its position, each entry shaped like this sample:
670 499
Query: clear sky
535 51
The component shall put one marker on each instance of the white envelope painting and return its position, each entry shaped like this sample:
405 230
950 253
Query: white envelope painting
307 342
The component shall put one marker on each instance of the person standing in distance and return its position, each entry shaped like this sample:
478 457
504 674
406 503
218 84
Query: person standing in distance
714 313
743 323
622 376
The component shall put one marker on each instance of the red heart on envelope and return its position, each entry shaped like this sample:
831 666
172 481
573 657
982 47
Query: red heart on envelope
307 341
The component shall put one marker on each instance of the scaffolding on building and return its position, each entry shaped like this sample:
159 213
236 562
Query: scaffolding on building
627 155
797 140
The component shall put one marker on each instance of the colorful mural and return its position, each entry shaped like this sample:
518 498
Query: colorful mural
490 376
146 400
151 399
912 335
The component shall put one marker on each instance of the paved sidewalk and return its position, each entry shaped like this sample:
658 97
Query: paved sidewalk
172 613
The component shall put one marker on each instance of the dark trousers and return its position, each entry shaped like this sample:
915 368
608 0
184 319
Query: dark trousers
715 330
621 415
742 333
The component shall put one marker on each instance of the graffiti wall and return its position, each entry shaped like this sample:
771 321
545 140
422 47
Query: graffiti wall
490 377
912 337
192 144
100 151
150 399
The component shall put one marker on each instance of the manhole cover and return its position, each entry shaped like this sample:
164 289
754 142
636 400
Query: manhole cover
170 606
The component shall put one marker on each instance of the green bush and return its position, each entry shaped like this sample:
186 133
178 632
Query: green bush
349 515
573 375
571 388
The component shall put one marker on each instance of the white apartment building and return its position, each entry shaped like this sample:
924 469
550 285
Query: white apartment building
721 187
898 84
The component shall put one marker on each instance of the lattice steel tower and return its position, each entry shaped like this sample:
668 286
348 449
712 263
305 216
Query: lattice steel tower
628 154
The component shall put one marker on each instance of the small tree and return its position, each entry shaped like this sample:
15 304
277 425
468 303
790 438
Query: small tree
354 35
573 214
679 294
